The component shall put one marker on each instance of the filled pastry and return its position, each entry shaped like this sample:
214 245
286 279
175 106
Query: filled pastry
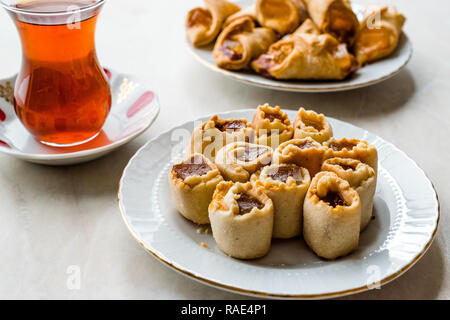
204 24
308 26
379 33
192 183
211 136
306 56
286 185
306 153
240 42
311 124
354 149
283 16
241 220
239 160
361 177
272 126
334 17
248 12
331 216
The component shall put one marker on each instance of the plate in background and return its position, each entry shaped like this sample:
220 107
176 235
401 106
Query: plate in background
365 76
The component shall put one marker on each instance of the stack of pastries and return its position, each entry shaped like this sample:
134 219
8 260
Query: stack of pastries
272 179
295 39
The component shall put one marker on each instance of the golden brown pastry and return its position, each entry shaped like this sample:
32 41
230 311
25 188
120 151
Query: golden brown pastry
306 56
211 136
204 24
240 42
334 17
192 184
283 16
361 177
286 185
241 220
310 124
248 12
331 216
308 26
354 149
272 126
306 153
239 160
379 33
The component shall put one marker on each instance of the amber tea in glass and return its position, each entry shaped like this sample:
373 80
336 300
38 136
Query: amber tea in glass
61 95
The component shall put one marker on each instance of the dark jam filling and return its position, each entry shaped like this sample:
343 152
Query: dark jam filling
231 125
284 172
336 146
196 167
273 116
347 167
246 203
334 199
228 49
251 153
305 145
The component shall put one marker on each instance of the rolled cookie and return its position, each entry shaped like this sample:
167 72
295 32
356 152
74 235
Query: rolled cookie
192 183
286 185
211 136
354 149
361 177
311 124
241 220
238 161
332 216
272 126
306 153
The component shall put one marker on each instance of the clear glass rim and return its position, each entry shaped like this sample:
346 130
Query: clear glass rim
10 8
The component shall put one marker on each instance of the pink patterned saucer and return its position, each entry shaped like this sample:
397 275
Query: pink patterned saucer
135 106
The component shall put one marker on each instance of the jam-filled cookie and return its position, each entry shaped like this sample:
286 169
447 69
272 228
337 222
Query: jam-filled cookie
240 42
238 161
306 153
361 177
272 126
331 216
311 124
354 149
241 220
192 184
204 24
286 185
211 136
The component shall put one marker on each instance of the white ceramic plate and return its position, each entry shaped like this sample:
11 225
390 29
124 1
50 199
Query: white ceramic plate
406 219
366 76
134 108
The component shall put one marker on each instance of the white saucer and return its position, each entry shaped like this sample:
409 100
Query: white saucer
134 108
365 76
406 211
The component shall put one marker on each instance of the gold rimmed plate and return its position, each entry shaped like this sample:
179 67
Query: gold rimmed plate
406 213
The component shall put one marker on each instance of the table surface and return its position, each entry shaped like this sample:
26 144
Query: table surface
54 218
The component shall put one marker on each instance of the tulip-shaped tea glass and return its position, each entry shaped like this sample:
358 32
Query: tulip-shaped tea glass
61 95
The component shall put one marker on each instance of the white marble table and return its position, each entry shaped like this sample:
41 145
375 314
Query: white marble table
54 218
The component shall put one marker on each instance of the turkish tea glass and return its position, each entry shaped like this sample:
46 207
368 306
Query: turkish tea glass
61 94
